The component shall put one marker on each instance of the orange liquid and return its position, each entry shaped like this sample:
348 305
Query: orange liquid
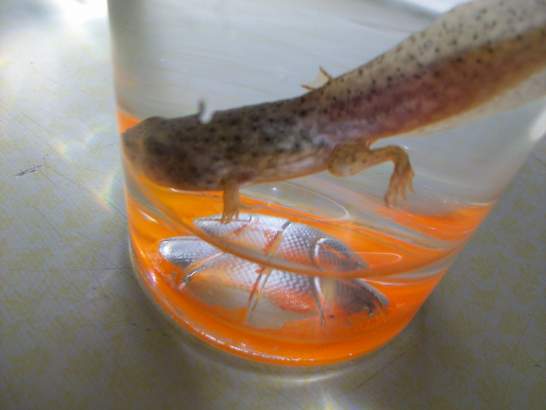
304 341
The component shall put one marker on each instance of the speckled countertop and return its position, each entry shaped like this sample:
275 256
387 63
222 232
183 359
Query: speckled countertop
77 332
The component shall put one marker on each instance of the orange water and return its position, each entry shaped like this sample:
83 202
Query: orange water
299 342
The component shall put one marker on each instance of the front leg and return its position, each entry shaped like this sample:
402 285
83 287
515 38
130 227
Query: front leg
231 201
352 158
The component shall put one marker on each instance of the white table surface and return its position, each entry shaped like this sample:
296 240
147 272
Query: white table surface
76 331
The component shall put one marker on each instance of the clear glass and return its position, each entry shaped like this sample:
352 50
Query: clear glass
316 270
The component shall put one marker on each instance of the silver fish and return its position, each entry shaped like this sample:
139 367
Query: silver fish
270 296
292 243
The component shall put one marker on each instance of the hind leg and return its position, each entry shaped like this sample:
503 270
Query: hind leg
352 158
324 78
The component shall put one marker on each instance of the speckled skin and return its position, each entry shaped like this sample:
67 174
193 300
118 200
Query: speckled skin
474 57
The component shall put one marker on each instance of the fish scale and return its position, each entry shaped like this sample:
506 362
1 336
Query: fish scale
289 291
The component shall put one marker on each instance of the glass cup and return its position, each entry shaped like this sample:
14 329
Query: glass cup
317 269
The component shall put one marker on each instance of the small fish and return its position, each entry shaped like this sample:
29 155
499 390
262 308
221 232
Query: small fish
297 245
219 278
481 57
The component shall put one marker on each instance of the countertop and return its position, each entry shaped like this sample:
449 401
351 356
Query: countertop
76 331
